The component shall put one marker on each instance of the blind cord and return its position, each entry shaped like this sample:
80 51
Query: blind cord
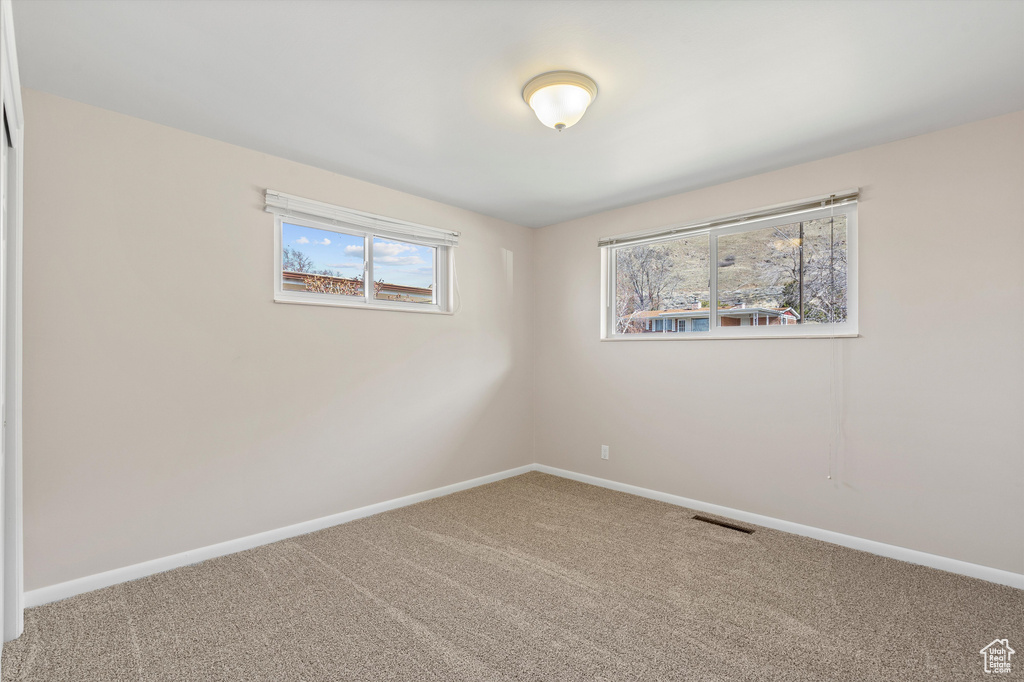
833 407
458 294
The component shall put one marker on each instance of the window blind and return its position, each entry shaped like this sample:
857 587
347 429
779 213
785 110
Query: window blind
286 205
794 208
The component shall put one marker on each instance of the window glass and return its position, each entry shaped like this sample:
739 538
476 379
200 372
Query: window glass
825 271
321 261
792 273
777 271
654 278
403 271
700 324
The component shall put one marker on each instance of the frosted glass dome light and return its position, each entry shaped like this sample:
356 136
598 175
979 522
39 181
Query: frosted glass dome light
560 98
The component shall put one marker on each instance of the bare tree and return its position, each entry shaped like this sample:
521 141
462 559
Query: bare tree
643 274
825 272
808 269
296 261
324 281
627 320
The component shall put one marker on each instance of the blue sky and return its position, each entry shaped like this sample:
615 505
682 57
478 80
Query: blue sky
394 261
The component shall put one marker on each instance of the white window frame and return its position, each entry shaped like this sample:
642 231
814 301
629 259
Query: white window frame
722 227
297 211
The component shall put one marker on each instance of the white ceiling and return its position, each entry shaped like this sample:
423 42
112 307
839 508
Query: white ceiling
424 96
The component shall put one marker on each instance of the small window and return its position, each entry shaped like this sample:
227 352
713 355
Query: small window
328 255
786 272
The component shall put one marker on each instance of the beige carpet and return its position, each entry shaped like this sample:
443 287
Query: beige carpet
531 578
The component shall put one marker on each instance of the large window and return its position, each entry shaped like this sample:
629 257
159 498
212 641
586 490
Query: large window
789 271
328 255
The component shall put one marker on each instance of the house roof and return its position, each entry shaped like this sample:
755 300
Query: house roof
330 278
398 288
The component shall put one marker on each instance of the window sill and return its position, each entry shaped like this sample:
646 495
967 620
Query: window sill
700 336
429 310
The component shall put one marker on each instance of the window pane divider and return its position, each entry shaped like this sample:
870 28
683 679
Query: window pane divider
368 286
713 282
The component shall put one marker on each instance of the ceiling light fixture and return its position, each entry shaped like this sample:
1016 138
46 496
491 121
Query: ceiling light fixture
559 98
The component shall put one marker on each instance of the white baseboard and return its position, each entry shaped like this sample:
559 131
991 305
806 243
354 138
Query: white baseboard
994 575
51 593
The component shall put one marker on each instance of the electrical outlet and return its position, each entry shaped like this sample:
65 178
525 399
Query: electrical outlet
604 452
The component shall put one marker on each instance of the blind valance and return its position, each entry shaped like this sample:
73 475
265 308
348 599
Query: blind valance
286 205
793 208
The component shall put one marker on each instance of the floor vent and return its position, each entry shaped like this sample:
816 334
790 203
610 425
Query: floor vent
723 524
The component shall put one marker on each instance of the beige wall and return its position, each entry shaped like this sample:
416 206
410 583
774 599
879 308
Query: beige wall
170 404
933 391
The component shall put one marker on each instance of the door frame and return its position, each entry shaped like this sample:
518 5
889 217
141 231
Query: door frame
12 566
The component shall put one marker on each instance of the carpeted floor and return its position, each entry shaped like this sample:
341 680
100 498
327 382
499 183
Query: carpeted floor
530 578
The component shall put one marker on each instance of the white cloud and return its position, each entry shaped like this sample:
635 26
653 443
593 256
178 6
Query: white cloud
301 240
354 251
397 260
391 249
325 242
